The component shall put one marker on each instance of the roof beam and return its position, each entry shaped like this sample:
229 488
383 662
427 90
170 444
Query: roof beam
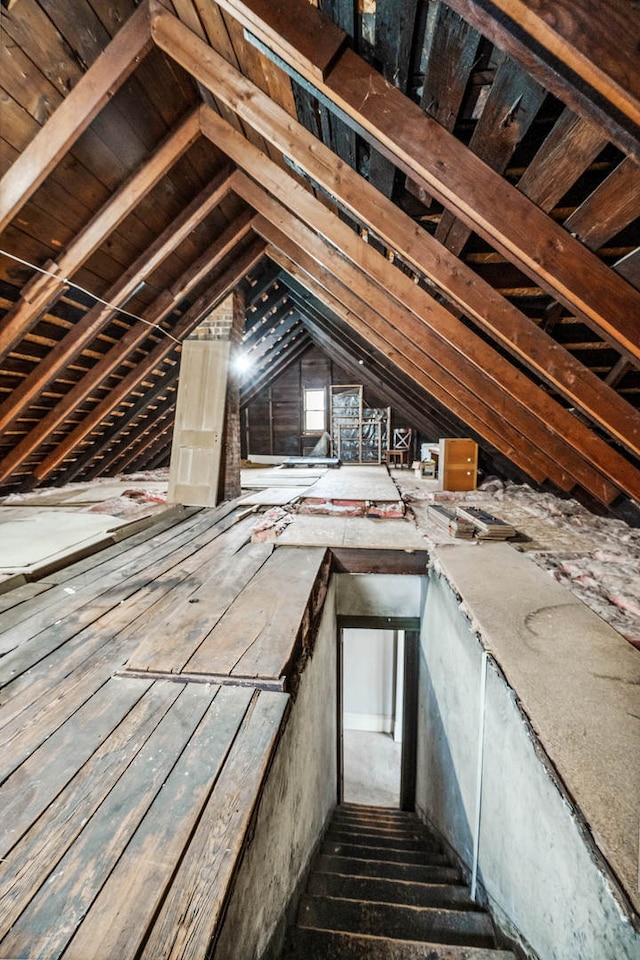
476 298
96 319
216 292
470 364
433 157
589 66
161 307
513 102
118 61
404 353
109 448
44 289
503 375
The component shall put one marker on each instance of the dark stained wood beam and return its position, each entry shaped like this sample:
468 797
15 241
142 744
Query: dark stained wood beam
155 312
105 452
513 102
96 319
432 156
570 147
219 289
143 436
118 61
610 208
450 54
584 51
156 454
618 371
459 283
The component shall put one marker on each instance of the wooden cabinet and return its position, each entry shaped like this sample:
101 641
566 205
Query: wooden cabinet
458 464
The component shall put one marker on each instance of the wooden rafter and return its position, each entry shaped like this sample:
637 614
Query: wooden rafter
469 363
432 156
42 291
157 311
323 220
75 113
476 298
565 43
206 302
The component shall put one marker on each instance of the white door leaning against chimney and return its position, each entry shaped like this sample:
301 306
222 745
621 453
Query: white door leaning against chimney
197 435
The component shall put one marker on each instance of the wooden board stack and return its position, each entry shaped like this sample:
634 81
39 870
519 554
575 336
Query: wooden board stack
487 527
448 522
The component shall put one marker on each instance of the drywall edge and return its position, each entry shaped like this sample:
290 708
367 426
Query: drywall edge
538 866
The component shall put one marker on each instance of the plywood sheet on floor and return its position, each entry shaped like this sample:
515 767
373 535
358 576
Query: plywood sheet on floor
29 537
356 483
246 619
279 477
361 532
274 496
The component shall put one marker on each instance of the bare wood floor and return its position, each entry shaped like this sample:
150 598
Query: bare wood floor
118 675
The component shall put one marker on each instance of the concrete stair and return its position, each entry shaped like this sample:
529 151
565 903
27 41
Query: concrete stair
382 888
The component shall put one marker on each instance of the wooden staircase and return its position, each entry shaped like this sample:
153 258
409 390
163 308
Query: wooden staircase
381 888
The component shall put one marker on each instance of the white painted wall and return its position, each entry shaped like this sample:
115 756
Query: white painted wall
379 595
539 869
368 665
298 796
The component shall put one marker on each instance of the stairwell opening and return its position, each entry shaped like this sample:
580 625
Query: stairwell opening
377 711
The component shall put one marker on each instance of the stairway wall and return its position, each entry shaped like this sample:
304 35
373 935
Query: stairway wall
299 794
538 867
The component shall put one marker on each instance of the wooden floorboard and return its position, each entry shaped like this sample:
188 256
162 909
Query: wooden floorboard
256 635
108 805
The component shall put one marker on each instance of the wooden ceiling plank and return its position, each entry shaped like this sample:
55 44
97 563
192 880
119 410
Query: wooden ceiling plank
511 106
206 302
571 146
432 156
128 343
39 294
450 53
89 465
610 208
455 279
384 336
96 319
546 424
590 69
395 26
568 37
629 268
91 93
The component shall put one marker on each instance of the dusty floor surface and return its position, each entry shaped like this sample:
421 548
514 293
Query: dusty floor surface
595 557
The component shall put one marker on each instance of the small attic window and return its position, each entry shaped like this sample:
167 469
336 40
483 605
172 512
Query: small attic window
315 411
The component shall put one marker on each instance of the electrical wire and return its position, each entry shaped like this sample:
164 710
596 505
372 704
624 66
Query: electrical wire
76 286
